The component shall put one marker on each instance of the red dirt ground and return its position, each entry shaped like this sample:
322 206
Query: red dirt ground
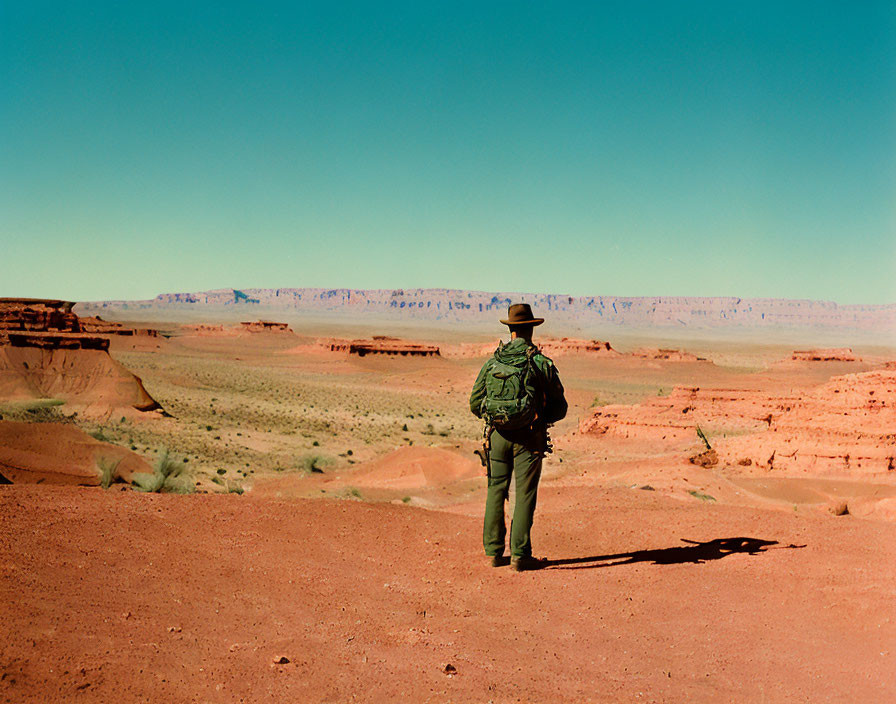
56 453
118 596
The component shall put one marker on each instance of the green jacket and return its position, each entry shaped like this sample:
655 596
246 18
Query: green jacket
553 401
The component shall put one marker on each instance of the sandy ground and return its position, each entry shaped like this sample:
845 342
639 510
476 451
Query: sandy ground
716 584
181 599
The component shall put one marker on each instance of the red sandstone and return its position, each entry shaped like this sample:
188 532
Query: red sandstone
842 354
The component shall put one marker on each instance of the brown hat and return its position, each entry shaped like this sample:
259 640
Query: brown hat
521 314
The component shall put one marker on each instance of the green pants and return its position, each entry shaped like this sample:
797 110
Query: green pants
524 462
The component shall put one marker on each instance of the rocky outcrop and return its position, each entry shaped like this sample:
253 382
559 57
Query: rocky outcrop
380 344
37 315
203 329
57 341
566 346
97 326
551 347
842 354
846 426
45 353
676 418
264 326
667 355
245 328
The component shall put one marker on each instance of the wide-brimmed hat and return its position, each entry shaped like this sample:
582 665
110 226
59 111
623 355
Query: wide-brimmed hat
521 314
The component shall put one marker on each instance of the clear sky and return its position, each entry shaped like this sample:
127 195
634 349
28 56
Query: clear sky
619 148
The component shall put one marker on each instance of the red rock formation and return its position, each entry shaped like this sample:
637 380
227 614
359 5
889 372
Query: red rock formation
667 355
57 341
551 347
202 329
846 426
571 346
841 354
380 344
38 315
264 326
98 326
674 419
44 354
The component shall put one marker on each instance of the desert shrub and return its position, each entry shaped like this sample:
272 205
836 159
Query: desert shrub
108 470
99 434
313 464
168 476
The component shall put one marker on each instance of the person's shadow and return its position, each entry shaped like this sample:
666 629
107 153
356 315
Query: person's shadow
695 553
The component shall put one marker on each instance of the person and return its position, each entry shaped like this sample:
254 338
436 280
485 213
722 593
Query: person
516 433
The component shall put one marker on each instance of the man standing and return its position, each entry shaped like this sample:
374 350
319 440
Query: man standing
518 394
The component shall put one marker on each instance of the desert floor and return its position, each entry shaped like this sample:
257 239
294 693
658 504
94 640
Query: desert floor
353 551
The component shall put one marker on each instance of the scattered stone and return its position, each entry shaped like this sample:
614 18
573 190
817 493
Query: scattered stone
281 660
450 670
705 459
839 508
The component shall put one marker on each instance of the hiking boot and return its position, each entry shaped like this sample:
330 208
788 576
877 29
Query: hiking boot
524 563
497 560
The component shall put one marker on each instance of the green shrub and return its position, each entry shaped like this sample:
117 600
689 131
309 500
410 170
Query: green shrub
108 470
313 464
169 476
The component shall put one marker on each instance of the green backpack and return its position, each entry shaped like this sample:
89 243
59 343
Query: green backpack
511 391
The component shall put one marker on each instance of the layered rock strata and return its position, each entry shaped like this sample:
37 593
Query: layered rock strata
380 344
841 354
46 354
846 426
675 419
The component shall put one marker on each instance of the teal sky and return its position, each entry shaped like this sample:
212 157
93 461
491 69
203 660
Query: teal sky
618 148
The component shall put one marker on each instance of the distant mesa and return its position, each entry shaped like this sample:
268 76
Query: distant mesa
97 326
572 346
45 353
551 347
381 344
252 327
59 453
203 329
840 354
453 305
667 355
264 326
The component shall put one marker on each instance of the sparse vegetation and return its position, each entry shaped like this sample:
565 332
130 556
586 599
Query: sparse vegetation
313 464
703 438
169 476
99 434
107 468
